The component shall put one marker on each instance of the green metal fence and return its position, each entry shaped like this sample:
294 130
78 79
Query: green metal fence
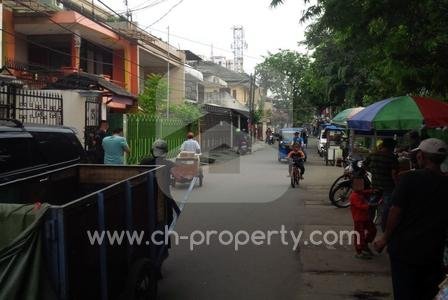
141 131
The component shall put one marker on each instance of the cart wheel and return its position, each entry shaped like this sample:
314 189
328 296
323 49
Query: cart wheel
142 281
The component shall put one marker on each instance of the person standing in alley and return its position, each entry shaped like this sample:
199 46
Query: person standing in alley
304 136
417 225
114 148
97 143
159 152
384 166
362 221
268 134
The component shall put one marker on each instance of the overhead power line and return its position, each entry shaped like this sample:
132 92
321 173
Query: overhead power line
165 14
148 5
203 43
90 60
49 16
144 5
175 35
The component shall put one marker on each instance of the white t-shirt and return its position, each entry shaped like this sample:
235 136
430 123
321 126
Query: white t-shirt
191 146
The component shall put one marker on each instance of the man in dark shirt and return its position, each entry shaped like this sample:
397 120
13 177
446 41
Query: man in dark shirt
159 151
384 167
98 149
417 224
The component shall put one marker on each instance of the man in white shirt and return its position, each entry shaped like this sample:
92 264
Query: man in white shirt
191 144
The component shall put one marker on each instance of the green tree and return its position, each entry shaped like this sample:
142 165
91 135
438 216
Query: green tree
378 49
187 112
154 96
282 73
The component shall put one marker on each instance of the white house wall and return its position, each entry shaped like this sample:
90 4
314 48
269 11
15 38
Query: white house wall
74 112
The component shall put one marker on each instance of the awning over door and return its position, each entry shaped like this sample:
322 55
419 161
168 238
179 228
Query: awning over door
86 81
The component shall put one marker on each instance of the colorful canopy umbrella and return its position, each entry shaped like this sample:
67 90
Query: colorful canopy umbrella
342 117
401 113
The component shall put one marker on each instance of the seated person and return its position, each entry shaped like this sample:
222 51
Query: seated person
191 145
296 157
297 139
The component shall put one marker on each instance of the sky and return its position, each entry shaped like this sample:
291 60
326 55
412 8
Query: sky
197 24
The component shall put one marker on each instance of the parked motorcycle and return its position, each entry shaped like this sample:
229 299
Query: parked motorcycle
376 207
341 189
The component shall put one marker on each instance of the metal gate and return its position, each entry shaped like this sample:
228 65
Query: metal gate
31 106
92 119
6 103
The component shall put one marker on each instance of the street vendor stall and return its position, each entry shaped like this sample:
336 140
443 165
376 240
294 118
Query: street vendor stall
390 118
341 118
394 117
333 147
401 113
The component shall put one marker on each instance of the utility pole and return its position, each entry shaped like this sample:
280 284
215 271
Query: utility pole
168 77
251 109
128 12
253 100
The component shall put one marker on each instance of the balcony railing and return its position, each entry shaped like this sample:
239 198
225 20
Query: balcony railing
32 75
36 76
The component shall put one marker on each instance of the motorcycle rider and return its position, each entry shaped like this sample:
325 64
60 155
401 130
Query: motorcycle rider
296 157
297 139
268 134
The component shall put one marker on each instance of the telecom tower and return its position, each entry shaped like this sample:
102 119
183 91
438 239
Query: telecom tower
239 44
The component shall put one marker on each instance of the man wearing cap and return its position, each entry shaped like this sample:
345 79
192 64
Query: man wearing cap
159 151
417 224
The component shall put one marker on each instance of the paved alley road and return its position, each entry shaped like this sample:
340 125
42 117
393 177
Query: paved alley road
258 197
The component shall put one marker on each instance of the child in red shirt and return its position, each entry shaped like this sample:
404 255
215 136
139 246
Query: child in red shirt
362 221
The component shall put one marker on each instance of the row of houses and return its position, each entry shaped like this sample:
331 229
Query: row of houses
93 64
